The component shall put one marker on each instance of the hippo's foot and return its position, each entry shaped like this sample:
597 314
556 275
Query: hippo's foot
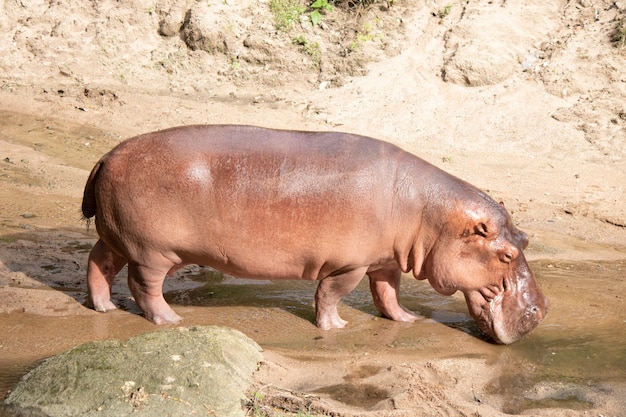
330 320
169 318
385 286
156 309
102 305
401 314
329 292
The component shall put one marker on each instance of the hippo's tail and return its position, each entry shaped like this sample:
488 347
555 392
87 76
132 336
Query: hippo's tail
89 196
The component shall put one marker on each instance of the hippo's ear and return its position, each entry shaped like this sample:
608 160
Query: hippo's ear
521 239
480 229
478 223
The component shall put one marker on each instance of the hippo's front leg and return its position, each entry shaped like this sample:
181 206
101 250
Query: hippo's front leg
385 287
329 292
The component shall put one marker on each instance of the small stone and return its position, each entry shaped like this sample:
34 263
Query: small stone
28 215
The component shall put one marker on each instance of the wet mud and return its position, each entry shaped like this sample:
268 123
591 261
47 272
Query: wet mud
573 360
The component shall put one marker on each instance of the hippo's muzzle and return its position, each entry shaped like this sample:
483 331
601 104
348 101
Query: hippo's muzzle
514 311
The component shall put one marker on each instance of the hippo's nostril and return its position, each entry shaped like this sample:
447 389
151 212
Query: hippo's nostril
536 312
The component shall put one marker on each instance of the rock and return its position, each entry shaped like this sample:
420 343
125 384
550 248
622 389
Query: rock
477 64
477 57
182 371
172 22
206 29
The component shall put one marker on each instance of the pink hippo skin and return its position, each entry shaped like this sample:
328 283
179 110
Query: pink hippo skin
331 207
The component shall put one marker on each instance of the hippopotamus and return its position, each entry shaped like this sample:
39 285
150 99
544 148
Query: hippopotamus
332 207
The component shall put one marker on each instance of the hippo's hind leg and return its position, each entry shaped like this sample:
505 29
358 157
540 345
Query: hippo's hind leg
385 286
146 285
103 266
329 292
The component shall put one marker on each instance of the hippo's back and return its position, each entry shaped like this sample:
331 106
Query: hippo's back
233 159
184 187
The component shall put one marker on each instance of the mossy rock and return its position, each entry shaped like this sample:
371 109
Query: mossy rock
172 372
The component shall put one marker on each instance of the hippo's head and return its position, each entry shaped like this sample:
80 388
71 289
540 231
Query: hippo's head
479 252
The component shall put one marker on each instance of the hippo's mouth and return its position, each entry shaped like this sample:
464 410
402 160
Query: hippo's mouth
487 312
503 317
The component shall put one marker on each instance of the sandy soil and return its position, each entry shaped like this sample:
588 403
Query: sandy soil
523 99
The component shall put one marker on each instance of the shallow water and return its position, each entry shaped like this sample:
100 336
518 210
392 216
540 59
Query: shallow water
576 354
579 350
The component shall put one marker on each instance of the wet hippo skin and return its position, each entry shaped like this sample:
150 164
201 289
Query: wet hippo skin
325 206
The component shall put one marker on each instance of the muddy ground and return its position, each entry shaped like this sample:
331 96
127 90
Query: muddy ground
523 99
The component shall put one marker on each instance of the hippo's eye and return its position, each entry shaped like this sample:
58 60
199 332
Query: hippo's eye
481 229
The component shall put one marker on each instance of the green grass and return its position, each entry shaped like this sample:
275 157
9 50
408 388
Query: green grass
312 49
286 13
445 11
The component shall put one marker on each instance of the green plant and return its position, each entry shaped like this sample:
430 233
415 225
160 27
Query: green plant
364 35
308 413
299 40
257 410
312 49
318 6
286 13
619 36
364 4
446 10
